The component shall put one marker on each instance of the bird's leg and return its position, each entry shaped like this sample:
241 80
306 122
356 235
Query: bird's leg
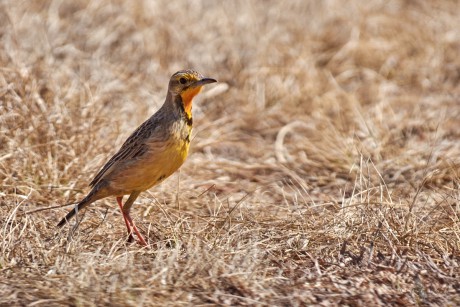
119 201
126 209
138 234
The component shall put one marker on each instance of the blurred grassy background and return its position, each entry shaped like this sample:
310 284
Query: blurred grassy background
324 167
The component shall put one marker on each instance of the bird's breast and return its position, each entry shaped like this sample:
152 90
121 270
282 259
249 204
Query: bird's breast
178 145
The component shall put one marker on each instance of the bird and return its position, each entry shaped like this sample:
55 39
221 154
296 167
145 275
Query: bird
153 152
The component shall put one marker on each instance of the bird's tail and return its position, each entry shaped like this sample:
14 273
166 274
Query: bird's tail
90 198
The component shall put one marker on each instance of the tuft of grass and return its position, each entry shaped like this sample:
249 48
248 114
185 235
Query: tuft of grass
324 167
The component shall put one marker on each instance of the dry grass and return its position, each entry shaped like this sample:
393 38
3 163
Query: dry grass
325 167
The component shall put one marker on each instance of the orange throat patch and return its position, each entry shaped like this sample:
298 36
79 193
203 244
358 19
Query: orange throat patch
187 98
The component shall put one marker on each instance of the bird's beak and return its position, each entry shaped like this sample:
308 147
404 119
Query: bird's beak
203 82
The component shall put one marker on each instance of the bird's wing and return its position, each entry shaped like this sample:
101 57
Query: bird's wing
132 148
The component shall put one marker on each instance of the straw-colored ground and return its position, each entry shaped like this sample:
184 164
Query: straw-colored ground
325 166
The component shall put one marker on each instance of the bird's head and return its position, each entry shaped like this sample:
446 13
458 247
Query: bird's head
187 84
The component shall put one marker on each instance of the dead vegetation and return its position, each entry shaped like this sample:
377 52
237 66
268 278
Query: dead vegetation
324 168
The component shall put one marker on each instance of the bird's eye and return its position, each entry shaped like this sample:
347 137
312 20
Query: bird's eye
182 80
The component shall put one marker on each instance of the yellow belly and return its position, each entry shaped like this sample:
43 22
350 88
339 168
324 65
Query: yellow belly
160 162
173 158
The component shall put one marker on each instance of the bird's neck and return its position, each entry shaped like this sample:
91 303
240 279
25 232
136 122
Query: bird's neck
187 98
181 108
